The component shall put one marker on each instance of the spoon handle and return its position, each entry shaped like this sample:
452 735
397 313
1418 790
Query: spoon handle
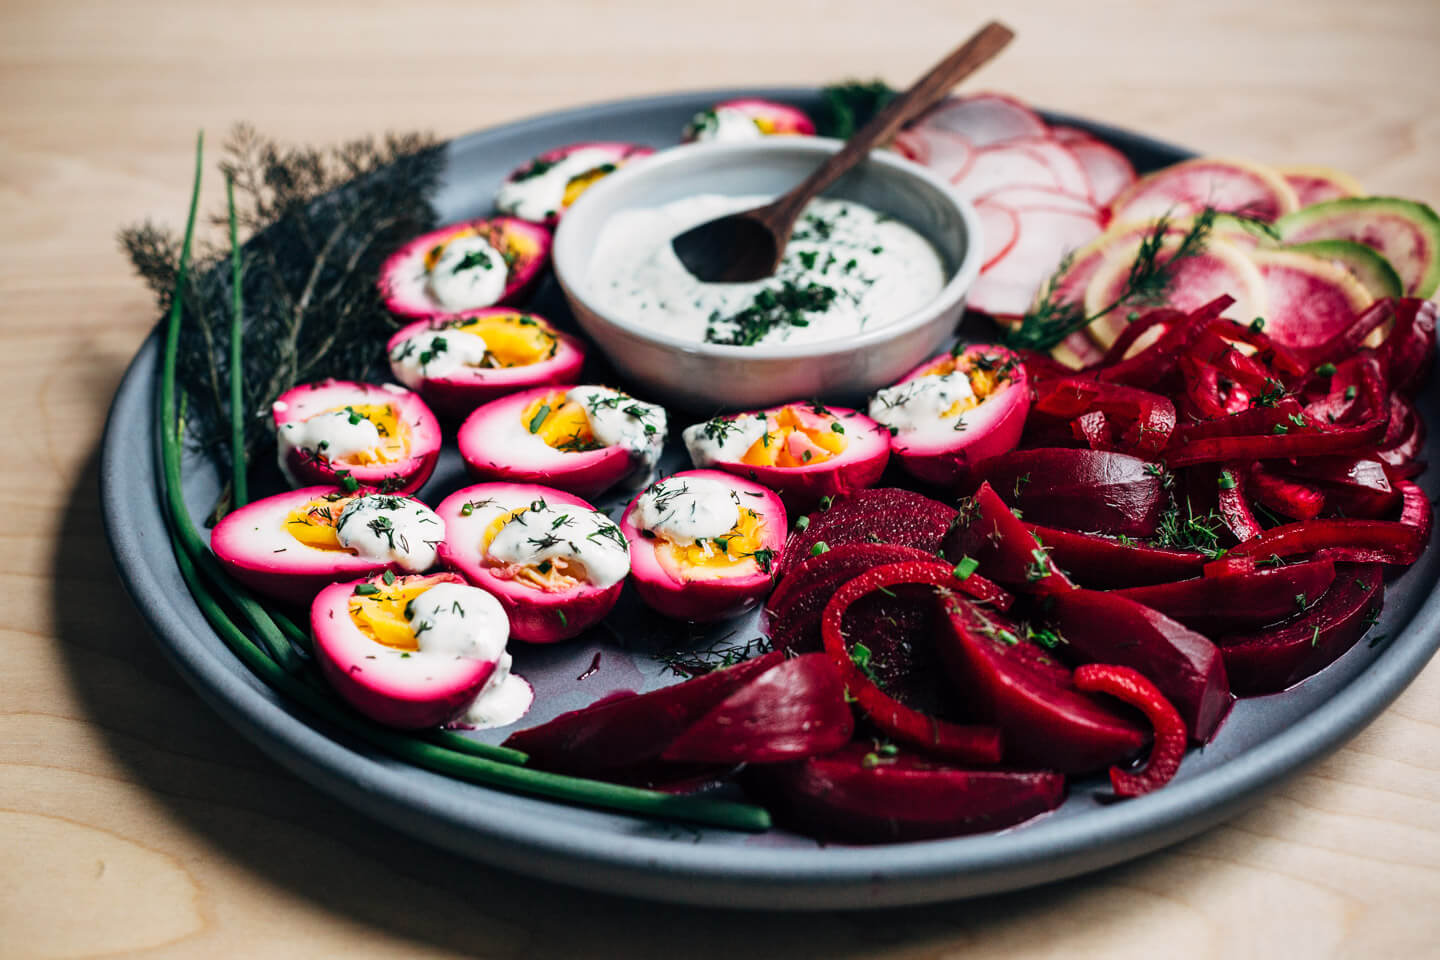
926 91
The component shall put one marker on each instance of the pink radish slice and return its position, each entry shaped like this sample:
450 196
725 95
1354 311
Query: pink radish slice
1009 286
984 119
1108 169
1187 188
1220 269
947 153
1318 184
1069 174
1001 228
1041 198
1309 299
1070 135
1006 166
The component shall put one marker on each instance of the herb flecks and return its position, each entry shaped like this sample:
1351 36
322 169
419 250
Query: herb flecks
786 306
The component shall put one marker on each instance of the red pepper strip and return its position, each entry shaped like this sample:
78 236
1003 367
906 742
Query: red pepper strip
1277 446
1040 367
1341 402
1093 430
1231 502
1359 541
1410 349
1405 434
1284 361
1157 361
1415 510
1289 498
1210 392
1352 486
1165 318
1150 415
1348 341
1168 750
1256 420
976 744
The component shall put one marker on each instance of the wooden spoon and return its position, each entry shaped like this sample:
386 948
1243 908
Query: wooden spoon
748 245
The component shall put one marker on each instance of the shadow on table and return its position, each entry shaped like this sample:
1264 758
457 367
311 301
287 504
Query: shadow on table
305 850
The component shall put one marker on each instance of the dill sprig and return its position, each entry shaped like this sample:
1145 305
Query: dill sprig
319 223
846 107
716 655
1054 317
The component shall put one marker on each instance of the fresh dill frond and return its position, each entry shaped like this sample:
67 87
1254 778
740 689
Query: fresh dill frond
846 107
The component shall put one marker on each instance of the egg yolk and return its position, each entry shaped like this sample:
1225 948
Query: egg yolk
798 438
987 374
553 575
585 181
314 523
512 339
560 422
381 615
718 556
394 434
766 125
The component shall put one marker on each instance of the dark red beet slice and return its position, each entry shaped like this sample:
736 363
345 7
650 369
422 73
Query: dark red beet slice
860 795
1168 748
1098 491
1352 486
1271 660
1287 497
1241 601
1186 667
790 712
630 732
1030 695
974 744
987 532
880 515
1097 561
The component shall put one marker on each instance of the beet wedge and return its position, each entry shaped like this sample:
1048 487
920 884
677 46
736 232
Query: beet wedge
1186 667
1015 684
1098 491
1238 601
1096 561
623 733
1271 660
789 712
869 793
987 533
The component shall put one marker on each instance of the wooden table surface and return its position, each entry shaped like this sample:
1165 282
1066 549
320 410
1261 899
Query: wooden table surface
134 822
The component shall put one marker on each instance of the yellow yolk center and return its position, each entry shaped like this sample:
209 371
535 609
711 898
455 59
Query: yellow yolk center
560 422
556 574
381 616
585 181
394 434
796 439
513 339
985 379
717 556
314 523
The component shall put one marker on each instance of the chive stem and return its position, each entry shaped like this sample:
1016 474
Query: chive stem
239 491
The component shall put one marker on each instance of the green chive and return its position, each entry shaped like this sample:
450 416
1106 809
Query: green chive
366 590
239 489
819 548
1227 481
965 567
539 417
801 522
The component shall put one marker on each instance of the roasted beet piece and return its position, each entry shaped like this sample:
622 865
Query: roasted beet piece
1093 490
1238 601
880 515
1097 561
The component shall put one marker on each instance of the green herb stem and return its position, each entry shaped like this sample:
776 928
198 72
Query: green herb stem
239 490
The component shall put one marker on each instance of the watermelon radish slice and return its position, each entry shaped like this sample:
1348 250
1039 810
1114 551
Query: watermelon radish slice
1189 187
983 119
1000 226
1372 270
1008 166
1024 197
875 793
1070 287
1404 232
1319 184
943 151
1108 170
1010 285
1219 269
1307 299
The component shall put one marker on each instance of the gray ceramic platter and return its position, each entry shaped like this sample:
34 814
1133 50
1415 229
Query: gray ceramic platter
1264 740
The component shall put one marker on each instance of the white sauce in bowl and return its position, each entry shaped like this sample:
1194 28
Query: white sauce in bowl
847 268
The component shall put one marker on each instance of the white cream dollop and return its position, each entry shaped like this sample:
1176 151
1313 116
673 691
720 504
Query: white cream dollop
390 529
437 353
457 620
618 419
575 534
336 435
683 510
469 274
539 196
724 124
921 407
724 439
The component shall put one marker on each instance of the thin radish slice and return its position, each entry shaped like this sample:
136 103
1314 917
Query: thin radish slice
1196 280
1108 170
1069 174
1037 198
1318 184
996 167
1232 186
1071 286
1009 286
984 119
943 151
1310 299
1001 228
1071 135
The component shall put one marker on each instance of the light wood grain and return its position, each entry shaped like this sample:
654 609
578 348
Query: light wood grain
134 822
